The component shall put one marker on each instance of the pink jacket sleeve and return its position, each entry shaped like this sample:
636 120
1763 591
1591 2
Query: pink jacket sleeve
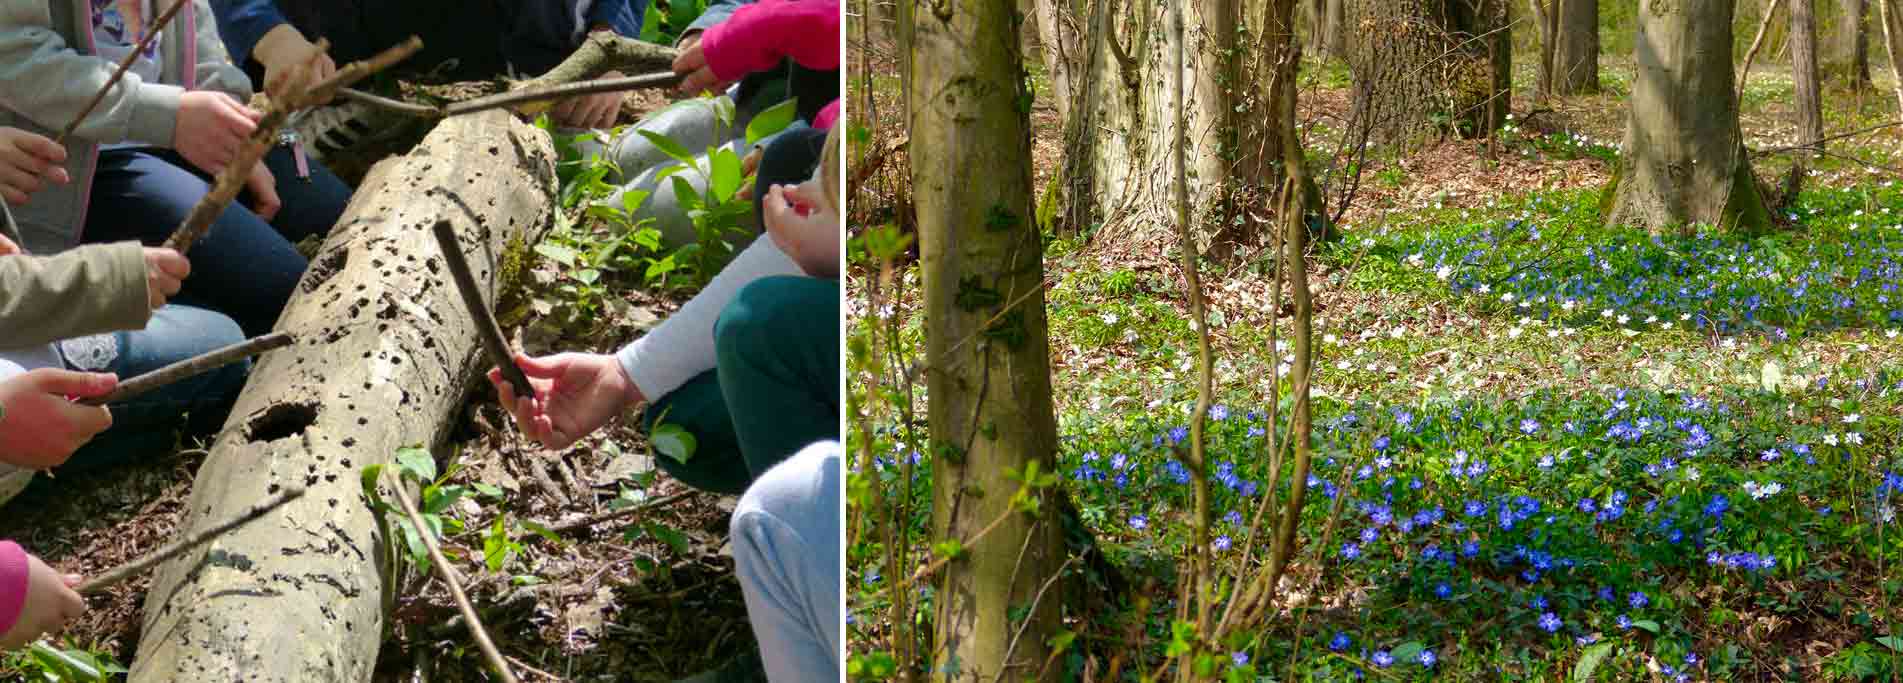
13 582
827 116
757 36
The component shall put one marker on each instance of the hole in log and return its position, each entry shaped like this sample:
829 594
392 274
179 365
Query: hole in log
325 268
281 421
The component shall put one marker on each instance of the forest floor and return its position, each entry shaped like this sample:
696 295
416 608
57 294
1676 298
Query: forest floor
1545 447
648 597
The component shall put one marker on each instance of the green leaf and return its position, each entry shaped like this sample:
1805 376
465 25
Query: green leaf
496 547
489 490
371 475
668 146
64 662
674 538
632 200
1646 624
436 499
417 462
557 253
673 441
588 276
775 119
1895 643
726 176
684 194
527 580
419 553
1062 640
1589 662
546 533
1408 651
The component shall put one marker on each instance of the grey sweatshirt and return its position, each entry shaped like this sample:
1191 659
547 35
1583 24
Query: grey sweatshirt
50 68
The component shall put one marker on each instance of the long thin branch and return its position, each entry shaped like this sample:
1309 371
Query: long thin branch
659 79
151 33
1818 146
448 572
112 577
1757 42
191 367
486 328
295 97
392 104
612 515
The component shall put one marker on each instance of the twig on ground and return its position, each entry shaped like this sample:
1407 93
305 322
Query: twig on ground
448 572
295 96
191 367
612 515
151 33
112 577
486 328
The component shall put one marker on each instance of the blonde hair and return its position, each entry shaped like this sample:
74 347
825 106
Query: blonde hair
830 160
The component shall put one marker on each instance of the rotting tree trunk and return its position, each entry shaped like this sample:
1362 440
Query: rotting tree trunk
1576 53
1683 158
1808 101
987 346
385 355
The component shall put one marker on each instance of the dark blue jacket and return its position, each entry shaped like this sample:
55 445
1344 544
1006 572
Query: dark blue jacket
545 22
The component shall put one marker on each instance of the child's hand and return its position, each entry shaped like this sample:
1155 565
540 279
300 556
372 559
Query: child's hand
282 50
51 604
692 63
8 248
575 394
802 228
27 162
41 427
165 272
264 193
211 129
589 111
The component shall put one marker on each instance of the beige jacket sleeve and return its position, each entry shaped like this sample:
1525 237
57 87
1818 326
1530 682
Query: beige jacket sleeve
89 290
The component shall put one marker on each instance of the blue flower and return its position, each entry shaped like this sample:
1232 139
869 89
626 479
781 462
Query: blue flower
1222 542
1538 603
1340 642
1550 622
1139 522
1177 434
1240 658
1219 413
1370 534
1637 600
1624 622
1605 593
1381 443
1427 658
1529 426
1443 591
1382 659
1234 517
1350 550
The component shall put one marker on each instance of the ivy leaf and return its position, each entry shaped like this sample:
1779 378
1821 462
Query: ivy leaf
673 441
417 462
1589 662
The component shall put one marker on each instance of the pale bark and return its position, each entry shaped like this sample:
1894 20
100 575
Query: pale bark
1853 41
1891 18
1327 25
1057 34
987 346
1682 160
383 360
1806 98
1576 55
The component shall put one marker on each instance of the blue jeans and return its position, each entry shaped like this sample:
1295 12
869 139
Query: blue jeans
146 426
789 557
244 267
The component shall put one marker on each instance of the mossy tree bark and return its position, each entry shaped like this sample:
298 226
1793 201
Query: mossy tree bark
1683 159
987 346
384 357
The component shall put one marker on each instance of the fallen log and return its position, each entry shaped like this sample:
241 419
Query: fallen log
384 359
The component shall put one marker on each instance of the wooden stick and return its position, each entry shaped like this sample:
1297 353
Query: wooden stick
191 367
486 327
111 577
612 515
231 180
448 573
392 104
661 79
151 33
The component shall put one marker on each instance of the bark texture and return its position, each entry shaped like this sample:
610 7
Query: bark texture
1682 159
1807 100
987 346
1576 54
1853 41
1432 64
1890 16
1328 29
383 360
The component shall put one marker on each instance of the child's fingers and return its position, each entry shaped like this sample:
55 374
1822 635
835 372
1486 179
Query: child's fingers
73 580
42 147
70 383
548 367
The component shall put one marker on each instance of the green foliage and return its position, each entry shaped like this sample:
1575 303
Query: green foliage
42 661
666 20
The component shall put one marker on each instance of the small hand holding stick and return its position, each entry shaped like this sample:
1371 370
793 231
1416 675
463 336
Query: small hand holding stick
486 327
296 93
112 577
191 367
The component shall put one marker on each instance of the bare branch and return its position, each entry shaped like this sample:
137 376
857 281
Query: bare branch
191 367
112 577
443 569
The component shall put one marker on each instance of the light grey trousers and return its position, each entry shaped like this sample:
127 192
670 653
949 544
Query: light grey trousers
789 556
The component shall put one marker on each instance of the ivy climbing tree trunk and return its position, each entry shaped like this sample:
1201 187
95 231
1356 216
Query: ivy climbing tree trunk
987 347
1576 55
1683 158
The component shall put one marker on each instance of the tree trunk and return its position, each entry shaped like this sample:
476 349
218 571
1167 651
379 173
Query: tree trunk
1576 57
1682 158
1807 100
1328 32
1891 17
384 357
1057 34
1121 170
1426 64
1853 42
988 368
